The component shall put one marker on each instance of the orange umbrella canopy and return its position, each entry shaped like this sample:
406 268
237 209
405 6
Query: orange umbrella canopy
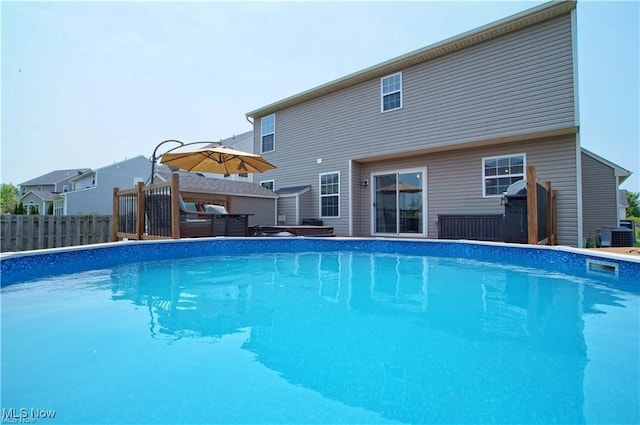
217 159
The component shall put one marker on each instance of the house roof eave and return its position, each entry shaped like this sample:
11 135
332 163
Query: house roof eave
620 172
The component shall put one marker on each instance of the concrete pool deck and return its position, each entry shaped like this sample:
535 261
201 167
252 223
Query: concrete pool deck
630 251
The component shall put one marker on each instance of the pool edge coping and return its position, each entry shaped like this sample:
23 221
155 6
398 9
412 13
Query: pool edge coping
560 248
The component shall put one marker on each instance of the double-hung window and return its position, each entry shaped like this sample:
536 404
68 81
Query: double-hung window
499 172
268 133
391 92
58 207
330 194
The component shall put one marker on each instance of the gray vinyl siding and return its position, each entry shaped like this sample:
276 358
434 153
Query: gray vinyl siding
517 84
42 187
599 196
287 207
262 210
306 207
99 199
454 181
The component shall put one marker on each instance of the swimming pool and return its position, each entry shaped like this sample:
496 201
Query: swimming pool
320 331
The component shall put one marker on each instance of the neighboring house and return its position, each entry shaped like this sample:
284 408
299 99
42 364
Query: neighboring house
238 197
441 130
56 181
601 202
623 204
93 189
38 201
39 192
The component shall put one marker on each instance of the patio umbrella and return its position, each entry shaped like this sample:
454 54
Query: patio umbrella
217 159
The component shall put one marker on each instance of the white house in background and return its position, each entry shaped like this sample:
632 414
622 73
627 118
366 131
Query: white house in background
93 190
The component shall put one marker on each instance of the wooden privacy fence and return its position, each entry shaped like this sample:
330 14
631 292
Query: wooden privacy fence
28 232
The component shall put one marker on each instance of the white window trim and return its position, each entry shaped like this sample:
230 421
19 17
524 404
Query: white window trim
58 207
484 177
425 207
262 133
383 94
320 195
269 181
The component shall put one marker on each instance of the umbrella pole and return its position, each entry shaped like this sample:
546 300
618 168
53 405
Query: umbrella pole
154 157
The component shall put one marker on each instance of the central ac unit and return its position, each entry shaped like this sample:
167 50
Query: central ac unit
615 237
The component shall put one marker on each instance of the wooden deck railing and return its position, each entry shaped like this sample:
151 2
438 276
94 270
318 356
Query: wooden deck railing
535 212
479 227
535 219
129 207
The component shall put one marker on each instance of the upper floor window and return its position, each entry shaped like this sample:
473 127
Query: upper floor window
499 172
269 184
268 133
391 92
330 194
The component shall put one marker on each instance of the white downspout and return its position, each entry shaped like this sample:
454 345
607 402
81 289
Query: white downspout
350 200
576 108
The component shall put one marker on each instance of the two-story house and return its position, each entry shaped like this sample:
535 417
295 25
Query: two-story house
93 190
441 130
38 194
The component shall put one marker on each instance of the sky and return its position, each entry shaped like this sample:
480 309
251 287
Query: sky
87 84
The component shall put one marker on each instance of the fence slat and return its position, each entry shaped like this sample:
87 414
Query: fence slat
29 231
41 226
50 229
24 232
7 232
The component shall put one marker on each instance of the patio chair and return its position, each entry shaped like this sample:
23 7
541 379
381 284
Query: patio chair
193 224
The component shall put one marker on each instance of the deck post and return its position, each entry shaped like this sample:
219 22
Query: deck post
140 222
554 218
550 230
175 206
116 215
532 205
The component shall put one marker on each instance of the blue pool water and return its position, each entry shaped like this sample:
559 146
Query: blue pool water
320 331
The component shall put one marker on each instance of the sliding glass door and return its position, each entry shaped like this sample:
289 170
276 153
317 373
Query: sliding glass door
398 202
